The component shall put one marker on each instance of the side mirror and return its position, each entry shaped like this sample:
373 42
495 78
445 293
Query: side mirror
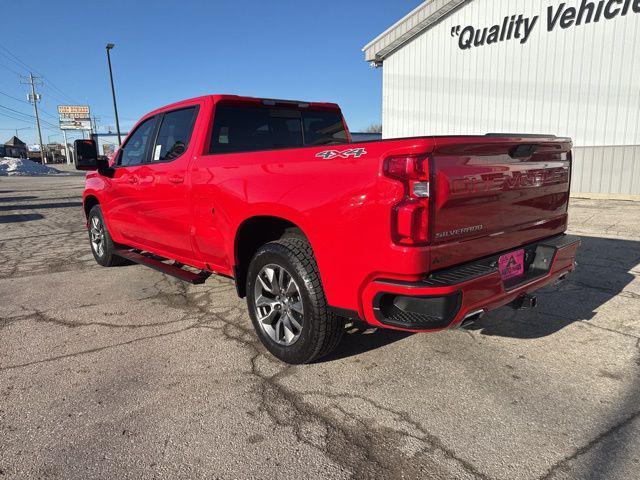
86 155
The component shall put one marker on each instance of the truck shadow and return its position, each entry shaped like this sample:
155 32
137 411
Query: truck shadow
603 273
38 206
20 217
359 339
17 199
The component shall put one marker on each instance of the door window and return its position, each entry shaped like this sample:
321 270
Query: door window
133 152
174 134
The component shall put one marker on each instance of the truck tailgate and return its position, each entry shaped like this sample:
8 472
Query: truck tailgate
494 193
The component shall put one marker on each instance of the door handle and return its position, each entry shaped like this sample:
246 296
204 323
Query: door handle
133 179
176 179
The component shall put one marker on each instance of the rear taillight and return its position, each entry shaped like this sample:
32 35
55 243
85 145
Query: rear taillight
410 217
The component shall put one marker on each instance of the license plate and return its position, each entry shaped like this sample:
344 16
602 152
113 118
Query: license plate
511 264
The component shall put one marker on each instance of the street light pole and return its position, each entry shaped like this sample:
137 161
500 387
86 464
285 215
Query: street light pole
113 92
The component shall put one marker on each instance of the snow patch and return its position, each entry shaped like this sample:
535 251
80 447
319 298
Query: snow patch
22 166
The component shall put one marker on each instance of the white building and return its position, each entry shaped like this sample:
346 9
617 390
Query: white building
566 67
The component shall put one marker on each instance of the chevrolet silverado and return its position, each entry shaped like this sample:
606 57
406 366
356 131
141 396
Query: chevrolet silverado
415 234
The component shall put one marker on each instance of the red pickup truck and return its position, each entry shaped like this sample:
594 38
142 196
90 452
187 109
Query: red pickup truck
416 234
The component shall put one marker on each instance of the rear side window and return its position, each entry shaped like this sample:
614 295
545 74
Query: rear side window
246 129
133 152
174 134
323 128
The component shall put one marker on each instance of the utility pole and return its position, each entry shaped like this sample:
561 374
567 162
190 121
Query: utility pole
94 130
94 124
67 150
35 98
113 92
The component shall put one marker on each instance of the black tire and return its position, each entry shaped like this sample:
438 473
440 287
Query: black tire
321 330
105 256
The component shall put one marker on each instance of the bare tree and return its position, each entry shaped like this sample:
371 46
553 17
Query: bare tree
374 128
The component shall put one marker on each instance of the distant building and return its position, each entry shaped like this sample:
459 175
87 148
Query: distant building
15 148
55 152
564 67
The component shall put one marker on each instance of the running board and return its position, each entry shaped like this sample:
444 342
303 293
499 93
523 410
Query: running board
170 269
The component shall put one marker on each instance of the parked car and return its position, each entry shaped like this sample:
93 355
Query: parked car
415 234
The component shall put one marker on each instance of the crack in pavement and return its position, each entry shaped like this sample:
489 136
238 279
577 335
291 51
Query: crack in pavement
366 450
363 449
403 417
563 463
41 317
97 349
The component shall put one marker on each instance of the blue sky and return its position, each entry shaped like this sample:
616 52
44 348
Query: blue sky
171 50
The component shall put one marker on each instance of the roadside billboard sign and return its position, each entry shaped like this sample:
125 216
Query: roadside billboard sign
74 117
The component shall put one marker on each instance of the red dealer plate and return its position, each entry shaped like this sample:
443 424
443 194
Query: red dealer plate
511 264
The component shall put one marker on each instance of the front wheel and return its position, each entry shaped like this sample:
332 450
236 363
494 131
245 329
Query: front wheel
287 304
102 245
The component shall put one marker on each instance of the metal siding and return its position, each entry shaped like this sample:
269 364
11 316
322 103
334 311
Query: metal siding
583 82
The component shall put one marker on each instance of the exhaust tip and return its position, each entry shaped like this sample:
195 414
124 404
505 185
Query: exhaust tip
471 318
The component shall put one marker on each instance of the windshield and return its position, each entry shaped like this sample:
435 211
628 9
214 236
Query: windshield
243 129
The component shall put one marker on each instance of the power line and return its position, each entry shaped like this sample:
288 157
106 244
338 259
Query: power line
14 112
9 68
16 60
30 121
50 85
61 100
14 98
15 118
24 101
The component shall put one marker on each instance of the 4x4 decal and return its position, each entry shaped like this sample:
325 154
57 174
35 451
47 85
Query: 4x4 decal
351 152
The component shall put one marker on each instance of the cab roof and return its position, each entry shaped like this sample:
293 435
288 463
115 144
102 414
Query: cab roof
250 100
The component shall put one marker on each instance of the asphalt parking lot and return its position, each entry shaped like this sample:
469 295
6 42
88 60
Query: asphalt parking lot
127 373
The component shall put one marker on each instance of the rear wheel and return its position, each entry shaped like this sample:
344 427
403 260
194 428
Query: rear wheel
102 245
287 304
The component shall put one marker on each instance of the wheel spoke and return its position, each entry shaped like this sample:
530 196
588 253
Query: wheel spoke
292 288
287 328
263 301
294 321
266 279
281 275
279 328
296 307
269 317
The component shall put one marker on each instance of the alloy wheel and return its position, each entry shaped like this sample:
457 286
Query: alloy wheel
278 305
96 234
